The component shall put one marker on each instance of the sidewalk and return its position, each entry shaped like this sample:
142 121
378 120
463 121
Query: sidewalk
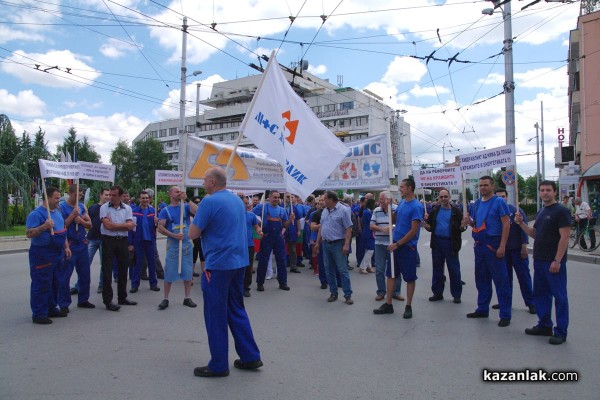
20 244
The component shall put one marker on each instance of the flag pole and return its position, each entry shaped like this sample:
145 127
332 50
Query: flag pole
245 121
77 202
391 239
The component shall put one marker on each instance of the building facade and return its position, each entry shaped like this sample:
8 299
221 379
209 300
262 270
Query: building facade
350 114
584 106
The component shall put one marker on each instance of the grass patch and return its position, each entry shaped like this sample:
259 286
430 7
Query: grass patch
17 230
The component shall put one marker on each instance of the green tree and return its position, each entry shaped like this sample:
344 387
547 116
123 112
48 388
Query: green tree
87 152
530 186
81 149
148 156
122 158
9 146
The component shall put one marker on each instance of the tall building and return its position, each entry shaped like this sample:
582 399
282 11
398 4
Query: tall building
349 113
584 106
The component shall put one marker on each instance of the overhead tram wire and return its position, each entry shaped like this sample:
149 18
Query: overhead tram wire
137 46
292 19
323 18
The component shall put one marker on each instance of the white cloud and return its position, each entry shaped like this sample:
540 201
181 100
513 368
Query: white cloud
31 25
24 68
317 69
170 106
24 104
428 91
404 69
7 35
115 48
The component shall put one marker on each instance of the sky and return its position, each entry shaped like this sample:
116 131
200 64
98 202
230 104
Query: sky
108 68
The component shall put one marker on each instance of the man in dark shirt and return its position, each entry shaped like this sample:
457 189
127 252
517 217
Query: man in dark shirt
551 232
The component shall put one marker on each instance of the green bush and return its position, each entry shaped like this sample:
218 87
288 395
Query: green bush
16 215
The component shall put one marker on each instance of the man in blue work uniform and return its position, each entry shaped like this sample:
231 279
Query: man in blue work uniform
143 240
252 227
221 222
295 212
405 236
517 257
445 222
491 224
274 226
76 221
177 235
48 247
551 232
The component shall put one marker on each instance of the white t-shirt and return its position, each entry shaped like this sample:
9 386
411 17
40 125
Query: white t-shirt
582 210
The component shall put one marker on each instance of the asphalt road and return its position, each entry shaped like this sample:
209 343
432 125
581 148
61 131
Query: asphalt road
311 348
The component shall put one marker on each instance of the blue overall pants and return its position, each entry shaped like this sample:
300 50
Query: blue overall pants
80 261
490 268
43 261
521 269
144 248
546 286
272 241
222 292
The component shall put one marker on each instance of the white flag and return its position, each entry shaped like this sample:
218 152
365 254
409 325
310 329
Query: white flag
281 124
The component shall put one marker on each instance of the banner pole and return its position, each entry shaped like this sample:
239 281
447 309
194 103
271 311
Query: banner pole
181 202
391 240
46 201
464 195
77 202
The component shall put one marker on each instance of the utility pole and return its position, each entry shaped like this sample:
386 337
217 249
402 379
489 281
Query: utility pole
542 144
509 92
182 94
537 140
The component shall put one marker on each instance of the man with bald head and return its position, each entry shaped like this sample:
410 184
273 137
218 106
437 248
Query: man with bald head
221 223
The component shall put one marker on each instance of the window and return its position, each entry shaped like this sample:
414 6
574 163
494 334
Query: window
190 128
361 121
316 109
329 107
234 136
454 191
162 133
209 138
154 134
349 105
172 131
221 137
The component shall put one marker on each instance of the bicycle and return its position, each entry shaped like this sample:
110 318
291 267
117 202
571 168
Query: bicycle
588 238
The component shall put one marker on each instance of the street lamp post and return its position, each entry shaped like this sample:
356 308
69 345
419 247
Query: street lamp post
537 140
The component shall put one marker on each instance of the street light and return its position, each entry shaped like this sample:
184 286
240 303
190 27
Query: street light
537 140
509 84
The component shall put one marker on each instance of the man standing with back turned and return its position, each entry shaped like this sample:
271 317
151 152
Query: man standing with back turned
221 222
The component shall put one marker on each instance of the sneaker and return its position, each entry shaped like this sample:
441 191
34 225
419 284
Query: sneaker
42 321
349 300
496 306
260 287
163 304
333 297
269 277
532 309
436 297
557 339
539 331
407 313
504 322
324 286
477 314
384 309
239 364
189 303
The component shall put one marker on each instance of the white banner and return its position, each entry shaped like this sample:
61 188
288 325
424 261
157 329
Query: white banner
488 159
96 171
364 166
569 180
280 123
167 177
438 177
55 169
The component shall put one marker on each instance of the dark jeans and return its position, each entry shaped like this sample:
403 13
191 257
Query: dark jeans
249 268
114 247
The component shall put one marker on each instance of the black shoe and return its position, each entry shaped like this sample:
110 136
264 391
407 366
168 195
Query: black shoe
112 307
557 339
456 301
155 288
127 303
477 314
196 274
99 289
260 287
532 309
436 297
539 331
160 276
349 300
65 310
246 292
333 297
407 313
163 304
503 322
144 277
248 365
204 372
462 283
324 286
42 321
384 309
189 303
86 304
350 268
133 290
74 291
496 306
56 314
284 286
295 270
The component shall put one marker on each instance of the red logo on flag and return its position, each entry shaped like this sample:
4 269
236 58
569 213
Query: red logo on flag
290 126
